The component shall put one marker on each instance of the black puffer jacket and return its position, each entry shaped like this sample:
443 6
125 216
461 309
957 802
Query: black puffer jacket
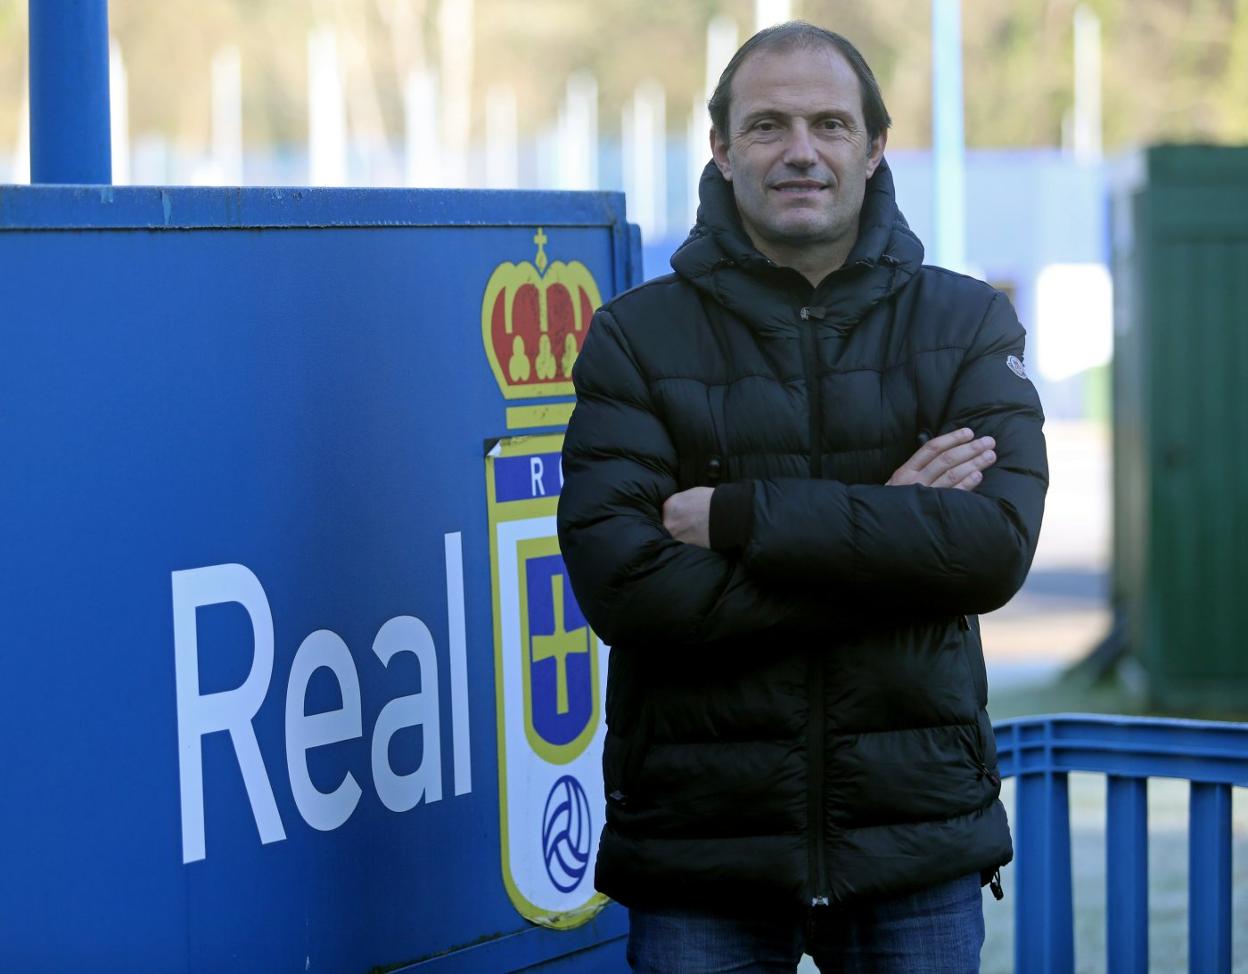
801 717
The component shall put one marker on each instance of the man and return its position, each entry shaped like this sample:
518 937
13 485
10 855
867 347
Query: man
797 469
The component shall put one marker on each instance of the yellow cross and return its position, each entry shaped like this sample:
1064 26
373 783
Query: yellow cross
559 644
541 240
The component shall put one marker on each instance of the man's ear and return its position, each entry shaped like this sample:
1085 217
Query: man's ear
719 152
876 153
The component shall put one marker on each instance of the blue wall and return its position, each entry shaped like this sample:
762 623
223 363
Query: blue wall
294 382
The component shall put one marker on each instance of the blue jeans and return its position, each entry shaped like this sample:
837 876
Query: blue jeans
936 931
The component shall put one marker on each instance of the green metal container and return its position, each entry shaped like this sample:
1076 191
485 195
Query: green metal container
1181 423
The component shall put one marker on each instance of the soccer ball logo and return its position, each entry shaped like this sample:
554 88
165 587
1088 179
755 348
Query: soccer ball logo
566 834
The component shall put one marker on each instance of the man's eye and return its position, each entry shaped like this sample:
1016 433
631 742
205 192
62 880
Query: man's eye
764 126
833 124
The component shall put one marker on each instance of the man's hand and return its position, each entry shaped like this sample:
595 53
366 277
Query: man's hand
954 460
687 516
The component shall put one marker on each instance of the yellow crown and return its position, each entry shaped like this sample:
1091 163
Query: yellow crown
534 320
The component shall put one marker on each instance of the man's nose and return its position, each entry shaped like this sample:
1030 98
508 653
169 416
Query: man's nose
800 149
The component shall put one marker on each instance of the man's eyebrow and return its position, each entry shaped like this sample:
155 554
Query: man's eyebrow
758 113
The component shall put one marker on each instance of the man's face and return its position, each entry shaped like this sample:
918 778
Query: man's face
798 154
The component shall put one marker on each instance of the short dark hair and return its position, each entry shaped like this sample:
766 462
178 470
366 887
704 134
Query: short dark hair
800 34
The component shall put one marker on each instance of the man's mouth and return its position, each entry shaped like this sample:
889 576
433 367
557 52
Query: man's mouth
798 186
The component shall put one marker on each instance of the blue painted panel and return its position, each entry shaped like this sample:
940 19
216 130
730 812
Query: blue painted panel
310 400
596 948
162 207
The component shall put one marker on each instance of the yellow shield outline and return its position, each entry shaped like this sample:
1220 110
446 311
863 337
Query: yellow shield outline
501 513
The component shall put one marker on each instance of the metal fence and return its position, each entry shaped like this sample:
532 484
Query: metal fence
1041 752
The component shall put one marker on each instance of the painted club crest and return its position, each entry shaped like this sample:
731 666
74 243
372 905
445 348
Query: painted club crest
534 318
550 672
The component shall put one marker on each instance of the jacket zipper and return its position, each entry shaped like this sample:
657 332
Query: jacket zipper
814 395
715 465
814 746
814 726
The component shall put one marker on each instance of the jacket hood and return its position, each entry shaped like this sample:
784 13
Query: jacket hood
719 259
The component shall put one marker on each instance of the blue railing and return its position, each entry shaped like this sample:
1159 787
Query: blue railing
1040 752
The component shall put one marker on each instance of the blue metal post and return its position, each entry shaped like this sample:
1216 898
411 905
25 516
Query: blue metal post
69 121
1209 879
1126 855
1044 909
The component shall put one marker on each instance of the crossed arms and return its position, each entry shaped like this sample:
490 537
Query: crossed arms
956 460
952 532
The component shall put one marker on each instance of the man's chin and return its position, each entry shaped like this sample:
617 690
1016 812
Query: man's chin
799 232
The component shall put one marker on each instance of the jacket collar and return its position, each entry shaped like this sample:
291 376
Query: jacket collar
719 259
